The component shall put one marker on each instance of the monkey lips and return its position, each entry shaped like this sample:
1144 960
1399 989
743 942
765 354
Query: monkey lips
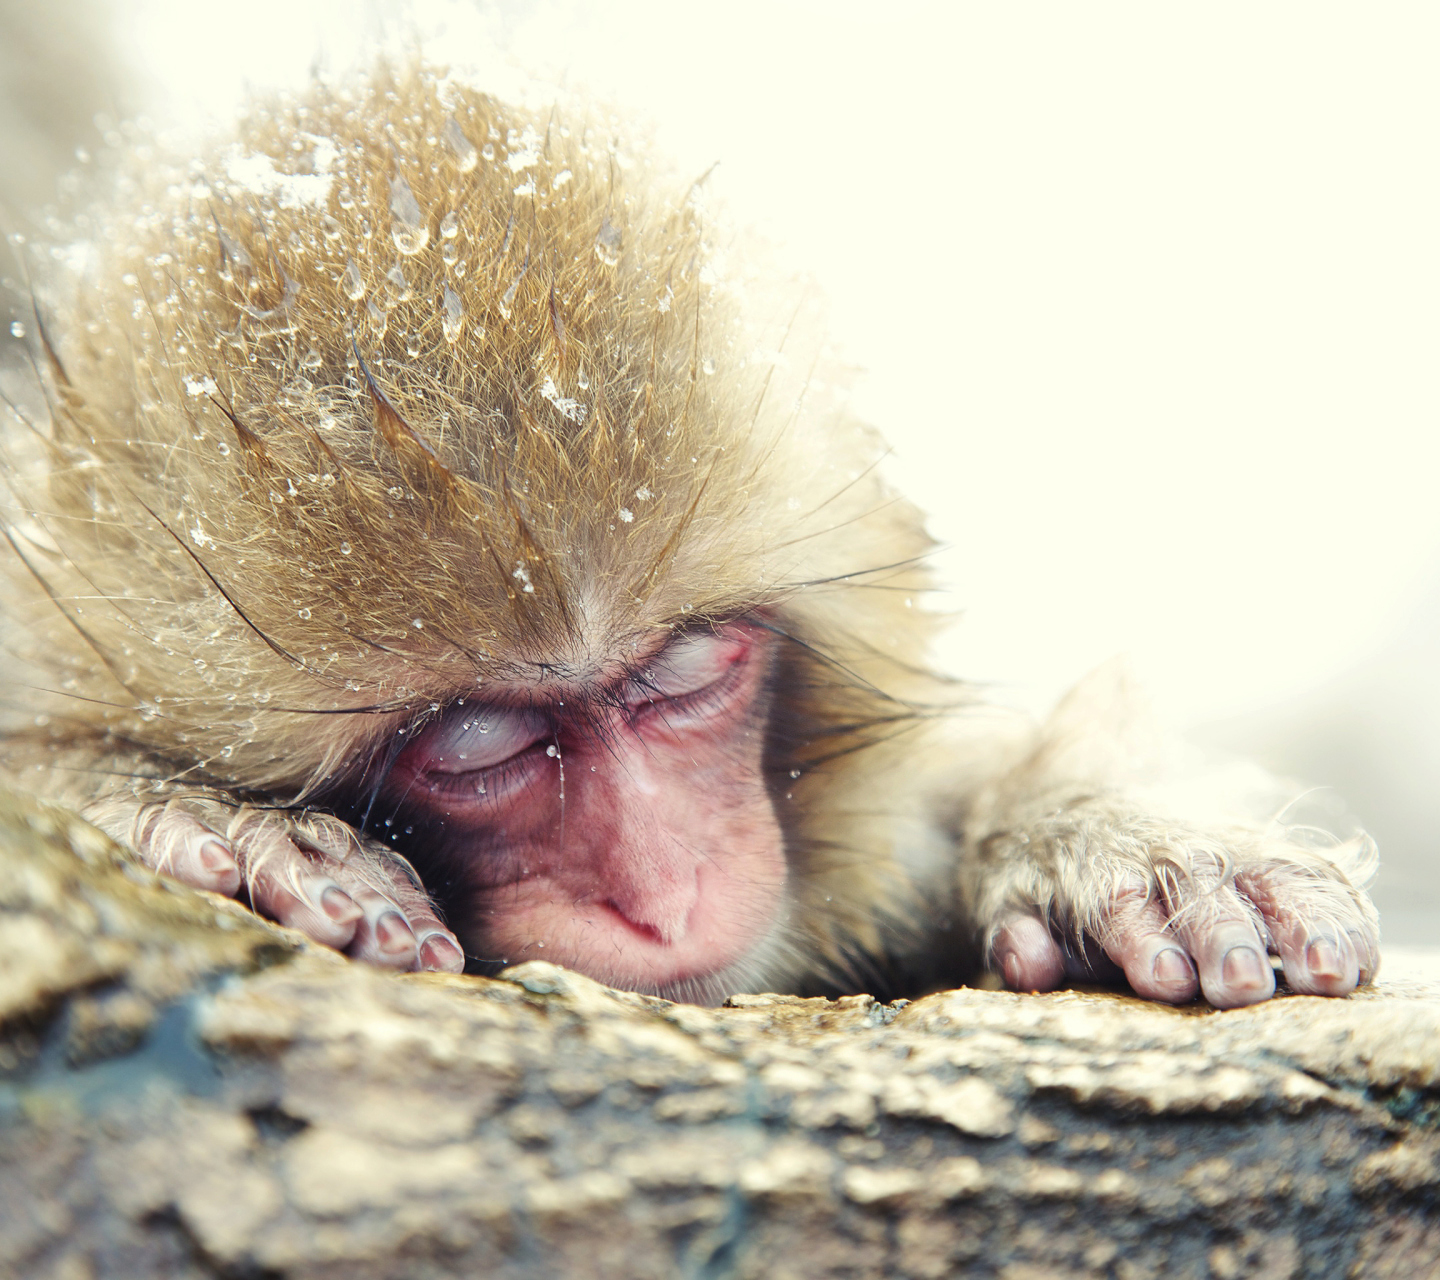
620 825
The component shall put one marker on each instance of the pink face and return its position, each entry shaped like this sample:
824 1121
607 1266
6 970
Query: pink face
622 829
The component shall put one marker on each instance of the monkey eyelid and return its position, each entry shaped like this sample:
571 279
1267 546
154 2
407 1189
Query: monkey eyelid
688 664
483 738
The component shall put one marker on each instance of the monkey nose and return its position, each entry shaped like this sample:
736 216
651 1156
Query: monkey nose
659 906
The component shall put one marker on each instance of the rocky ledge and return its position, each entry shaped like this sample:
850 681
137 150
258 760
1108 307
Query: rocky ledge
188 1092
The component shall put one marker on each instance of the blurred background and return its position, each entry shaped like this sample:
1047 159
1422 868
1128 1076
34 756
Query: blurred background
1144 295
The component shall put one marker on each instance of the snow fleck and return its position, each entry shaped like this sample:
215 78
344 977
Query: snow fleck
567 405
643 493
626 515
258 174
200 386
522 575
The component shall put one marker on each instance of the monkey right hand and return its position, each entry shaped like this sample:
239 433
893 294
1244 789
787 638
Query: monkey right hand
307 871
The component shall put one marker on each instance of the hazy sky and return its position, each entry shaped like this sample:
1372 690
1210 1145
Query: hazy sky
1147 293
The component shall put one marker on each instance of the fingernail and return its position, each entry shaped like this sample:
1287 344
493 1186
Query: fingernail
1010 967
1243 967
216 858
441 954
339 905
1366 954
392 933
1173 965
1322 959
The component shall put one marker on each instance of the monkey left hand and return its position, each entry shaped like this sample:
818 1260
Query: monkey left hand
1179 909
307 871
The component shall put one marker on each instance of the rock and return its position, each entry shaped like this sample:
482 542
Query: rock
186 1091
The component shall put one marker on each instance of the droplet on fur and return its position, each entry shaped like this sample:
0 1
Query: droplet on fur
607 243
450 253
17 330
508 301
417 624
452 314
345 548
582 379
351 282
331 227
450 225
303 614
552 751
466 157
379 321
312 359
488 151
399 286
224 448
707 366
412 344
407 223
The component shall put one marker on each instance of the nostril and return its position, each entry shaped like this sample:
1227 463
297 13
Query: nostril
647 931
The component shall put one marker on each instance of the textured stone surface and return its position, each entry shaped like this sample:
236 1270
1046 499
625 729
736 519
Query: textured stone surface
185 1091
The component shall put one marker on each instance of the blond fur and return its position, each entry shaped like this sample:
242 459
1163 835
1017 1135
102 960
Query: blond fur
400 391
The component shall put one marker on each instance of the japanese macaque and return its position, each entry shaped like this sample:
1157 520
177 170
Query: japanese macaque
425 532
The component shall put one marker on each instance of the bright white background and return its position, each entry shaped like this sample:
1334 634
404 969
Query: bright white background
1147 296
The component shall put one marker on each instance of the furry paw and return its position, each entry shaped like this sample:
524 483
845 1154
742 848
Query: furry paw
310 872
1183 912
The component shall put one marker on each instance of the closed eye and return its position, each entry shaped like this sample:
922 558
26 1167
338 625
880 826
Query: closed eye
687 665
483 739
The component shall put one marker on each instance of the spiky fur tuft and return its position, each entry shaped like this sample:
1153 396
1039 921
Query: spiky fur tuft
401 390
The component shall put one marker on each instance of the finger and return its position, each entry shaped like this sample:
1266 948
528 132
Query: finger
383 937
387 874
291 888
177 845
1326 945
1225 942
1026 956
1137 937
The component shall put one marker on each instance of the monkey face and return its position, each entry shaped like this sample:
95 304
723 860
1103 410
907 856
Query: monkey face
619 825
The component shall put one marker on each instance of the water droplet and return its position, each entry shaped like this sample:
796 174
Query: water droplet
707 366
552 751
303 615
399 286
508 301
488 151
312 359
224 448
452 317
345 548
607 243
465 154
450 252
407 223
351 282
417 624
379 321
794 773
17 330
582 379
412 344
450 225
331 227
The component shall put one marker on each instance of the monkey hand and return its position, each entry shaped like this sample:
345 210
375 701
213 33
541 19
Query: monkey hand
307 871
1083 879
